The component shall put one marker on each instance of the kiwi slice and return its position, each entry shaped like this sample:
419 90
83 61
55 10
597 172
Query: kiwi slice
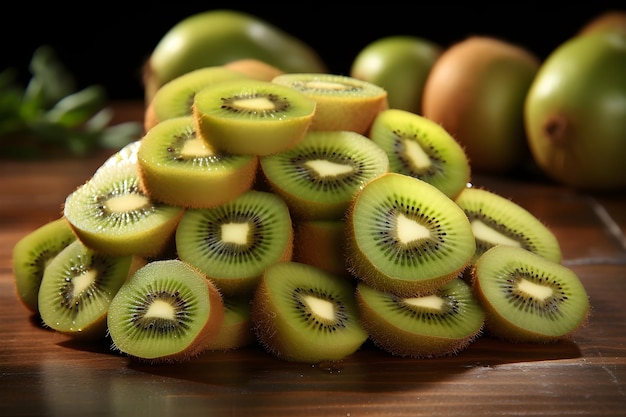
320 175
252 117
166 311
175 98
527 297
443 323
77 288
343 102
406 237
110 212
32 254
321 243
236 330
177 167
421 148
497 220
301 313
234 242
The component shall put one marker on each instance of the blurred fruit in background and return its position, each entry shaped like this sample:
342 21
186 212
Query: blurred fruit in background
575 112
216 37
476 91
399 64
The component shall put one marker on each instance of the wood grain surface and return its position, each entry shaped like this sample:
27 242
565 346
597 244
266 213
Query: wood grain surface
45 374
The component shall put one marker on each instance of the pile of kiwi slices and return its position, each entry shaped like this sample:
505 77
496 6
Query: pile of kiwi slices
243 217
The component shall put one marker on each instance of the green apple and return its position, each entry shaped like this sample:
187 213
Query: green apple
400 65
575 112
217 37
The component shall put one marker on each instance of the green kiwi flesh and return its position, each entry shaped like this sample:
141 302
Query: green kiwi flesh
320 175
252 117
497 220
443 323
234 242
32 254
421 148
527 297
301 313
77 288
406 237
343 102
111 213
177 167
166 312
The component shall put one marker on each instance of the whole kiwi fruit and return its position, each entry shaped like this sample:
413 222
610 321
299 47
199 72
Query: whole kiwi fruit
476 91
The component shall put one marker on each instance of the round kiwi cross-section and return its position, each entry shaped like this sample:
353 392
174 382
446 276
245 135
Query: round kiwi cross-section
406 237
343 102
421 148
497 220
234 242
175 98
527 297
443 323
319 177
32 254
179 168
77 288
252 117
301 313
111 213
166 311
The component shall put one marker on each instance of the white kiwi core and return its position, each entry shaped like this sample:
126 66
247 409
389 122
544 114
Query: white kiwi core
326 85
432 302
322 308
127 202
483 232
81 282
416 154
161 309
409 230
235 233
254 103
540 292
195 147
325 168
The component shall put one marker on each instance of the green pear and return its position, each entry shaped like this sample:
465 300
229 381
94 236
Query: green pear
217 37
575 112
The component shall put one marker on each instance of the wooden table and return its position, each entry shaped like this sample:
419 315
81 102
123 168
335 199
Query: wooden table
45 374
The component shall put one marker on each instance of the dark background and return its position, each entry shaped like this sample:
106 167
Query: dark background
107 43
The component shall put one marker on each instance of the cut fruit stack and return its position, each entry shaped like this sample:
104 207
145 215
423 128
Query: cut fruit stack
302 214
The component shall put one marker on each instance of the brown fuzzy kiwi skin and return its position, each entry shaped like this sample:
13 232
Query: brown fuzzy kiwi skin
401 343
321 243
498 327
254 68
